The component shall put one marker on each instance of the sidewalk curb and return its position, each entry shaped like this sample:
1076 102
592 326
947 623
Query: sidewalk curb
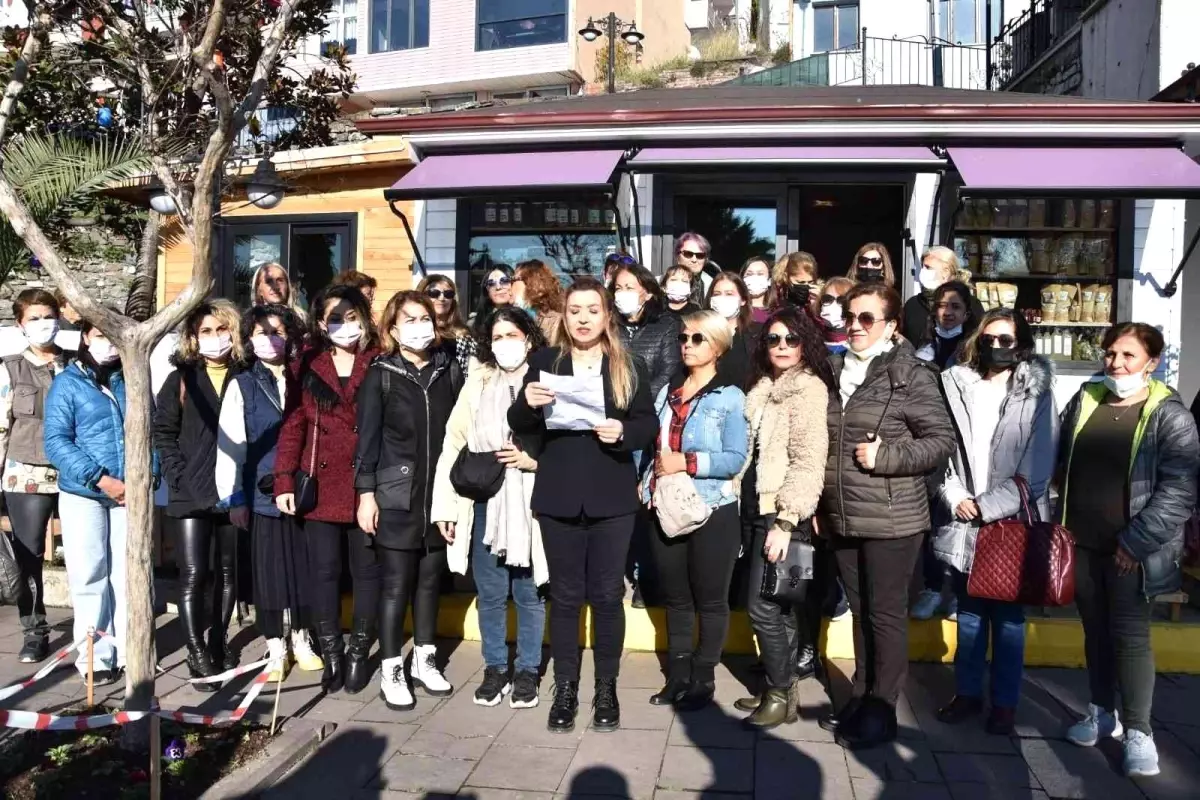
298 739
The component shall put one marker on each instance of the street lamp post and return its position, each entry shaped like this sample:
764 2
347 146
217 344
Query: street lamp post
612 23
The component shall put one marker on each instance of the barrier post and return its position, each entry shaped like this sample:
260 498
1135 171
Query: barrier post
275 710
91 643
155 753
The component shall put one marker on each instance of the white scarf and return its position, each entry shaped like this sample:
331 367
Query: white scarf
509 531
855 366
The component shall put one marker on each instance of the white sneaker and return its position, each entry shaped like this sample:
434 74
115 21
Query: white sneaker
927 604
393 685
1098 724
1141 755
426 674
302 650
277 652
951 608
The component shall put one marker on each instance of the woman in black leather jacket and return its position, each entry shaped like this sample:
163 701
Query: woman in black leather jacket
646 329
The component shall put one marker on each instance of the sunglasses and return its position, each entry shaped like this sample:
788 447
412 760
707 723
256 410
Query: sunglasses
791 339
620 259
692 254
438 294
866 319
1004 340
494 282
828 299
696 339
874 262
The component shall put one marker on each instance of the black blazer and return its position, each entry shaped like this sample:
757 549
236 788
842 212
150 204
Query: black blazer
577 474
735 367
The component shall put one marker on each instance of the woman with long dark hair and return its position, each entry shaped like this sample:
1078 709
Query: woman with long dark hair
450 324
495 291
646 329
208 357
756 274
952 322
320 437
585 495
251 418
729 297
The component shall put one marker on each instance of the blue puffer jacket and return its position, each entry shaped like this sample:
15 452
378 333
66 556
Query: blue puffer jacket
85 430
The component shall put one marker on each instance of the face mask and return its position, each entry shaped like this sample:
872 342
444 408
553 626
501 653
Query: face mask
103 352
798 294
870 275
415 336
881 346
678 291
757 285
628 302
345 334
41 332
928 279
948 333
1125 386
997 358
832 314
216 346
728 307
268 347
510 353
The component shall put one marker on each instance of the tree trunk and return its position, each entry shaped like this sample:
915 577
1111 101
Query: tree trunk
143 292
139 561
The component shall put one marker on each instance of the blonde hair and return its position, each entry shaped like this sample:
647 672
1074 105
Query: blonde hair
621 371
840 282
792 265
947 258
391 314
188 349
713 327
256 288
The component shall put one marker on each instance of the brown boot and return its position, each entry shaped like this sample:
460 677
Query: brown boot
775 709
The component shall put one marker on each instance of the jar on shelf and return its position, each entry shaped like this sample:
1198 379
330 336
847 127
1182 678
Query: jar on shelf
1087 214
1037 213
1018 213
1106 216
1000 217
1070 214
983 213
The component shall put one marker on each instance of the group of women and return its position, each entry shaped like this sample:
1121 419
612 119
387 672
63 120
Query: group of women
799 415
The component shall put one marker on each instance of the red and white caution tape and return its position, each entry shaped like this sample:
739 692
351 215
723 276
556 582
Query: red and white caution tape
33 721
224 717
233 673
59 657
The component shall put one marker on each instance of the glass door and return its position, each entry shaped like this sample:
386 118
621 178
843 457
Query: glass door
313 249
737 228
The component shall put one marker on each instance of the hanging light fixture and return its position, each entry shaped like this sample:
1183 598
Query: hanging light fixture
633 36
162 202
265 190
590 33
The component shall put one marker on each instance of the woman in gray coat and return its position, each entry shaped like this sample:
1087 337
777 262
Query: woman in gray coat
1001 400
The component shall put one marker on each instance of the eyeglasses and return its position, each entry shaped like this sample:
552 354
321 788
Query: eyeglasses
874 262
692 254
696 339
499 282
791 339
828 299
866 319
438 294
623 260
1004 340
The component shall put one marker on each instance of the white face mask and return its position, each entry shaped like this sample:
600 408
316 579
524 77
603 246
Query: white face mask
628 302
415 336
948 333
345 334
757 285
678 291
103 352
41 332
1125 386
268 347
510 353
728 307
929 279
832 314
216 346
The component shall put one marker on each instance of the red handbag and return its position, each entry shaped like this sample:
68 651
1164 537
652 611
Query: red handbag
1023 560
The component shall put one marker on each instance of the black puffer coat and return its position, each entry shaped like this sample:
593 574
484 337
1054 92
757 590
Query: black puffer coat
655 340
900 399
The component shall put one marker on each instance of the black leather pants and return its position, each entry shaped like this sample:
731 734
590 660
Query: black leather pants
415 575
195 540
780 628
30 514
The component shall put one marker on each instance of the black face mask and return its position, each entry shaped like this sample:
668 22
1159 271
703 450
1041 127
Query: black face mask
870 275
997 358
799 293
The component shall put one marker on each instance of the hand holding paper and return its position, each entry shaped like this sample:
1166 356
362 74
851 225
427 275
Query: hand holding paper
577 401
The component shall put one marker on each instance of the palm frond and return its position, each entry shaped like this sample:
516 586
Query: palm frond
49 170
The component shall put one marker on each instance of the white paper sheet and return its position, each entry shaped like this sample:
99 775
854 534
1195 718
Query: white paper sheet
578 401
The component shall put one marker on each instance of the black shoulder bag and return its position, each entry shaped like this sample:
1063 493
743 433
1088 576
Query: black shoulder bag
478 476
306 482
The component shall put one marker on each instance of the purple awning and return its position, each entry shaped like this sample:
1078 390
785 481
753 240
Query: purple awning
1156 172
487 173
915 157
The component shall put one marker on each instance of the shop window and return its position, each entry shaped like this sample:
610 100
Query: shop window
399 25
311 248
835 26
342 30
965 21
1053 259
501 24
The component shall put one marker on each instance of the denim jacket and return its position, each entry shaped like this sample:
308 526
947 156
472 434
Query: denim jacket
715 432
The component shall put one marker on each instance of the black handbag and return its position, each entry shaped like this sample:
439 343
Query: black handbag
306 482
477 476
10 571
786 581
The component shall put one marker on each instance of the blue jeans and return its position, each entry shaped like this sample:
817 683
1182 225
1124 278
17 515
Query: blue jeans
94 545
492 581
980 623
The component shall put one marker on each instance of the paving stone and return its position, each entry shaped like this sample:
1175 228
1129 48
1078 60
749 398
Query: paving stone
1180 774
874 789
331 709
969 737
347 761
377 711
1067 771
642 671
527 728
1188 734
1068 686
423 774
503 794
620 763
707 769
715 726
533 769
1177 699
991 769
898 761
812 769
976 791
459 716
671 794
1040 715
432 743
639 715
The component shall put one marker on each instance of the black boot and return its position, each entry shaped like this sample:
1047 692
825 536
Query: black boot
358 670
679 677
808 663
834 720
775 709
329 634
606 711
200 665
873 725
698 695
223 656
564 708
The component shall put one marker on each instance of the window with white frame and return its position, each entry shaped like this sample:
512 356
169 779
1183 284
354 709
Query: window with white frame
342 30
399 25
501 24
835 25
965 21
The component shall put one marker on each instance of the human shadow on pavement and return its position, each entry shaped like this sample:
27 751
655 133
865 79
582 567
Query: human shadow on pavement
347 764
597 782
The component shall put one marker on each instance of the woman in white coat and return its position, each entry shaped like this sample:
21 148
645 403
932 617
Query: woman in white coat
499 534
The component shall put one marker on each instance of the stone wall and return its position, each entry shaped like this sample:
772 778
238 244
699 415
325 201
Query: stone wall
106 280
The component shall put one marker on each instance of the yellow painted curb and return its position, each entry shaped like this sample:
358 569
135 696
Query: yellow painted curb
1048 642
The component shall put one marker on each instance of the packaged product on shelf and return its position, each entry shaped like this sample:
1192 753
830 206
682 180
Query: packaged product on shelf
1087 214
1010 257
1037 213
1066 256
1075 313
489 213
1103 310
1064 295
965 218
983 213
1069 214
1039 259
1007 294
973 260
1000 214
1068 344
1106 215
1018 213
1049 295
1087 302
1056 344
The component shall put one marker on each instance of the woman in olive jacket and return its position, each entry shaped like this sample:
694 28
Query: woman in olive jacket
888 428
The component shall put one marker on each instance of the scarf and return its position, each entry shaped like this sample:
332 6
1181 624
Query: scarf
855 366
509 526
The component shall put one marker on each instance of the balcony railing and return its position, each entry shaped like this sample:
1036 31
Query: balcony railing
1029 36
874 60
